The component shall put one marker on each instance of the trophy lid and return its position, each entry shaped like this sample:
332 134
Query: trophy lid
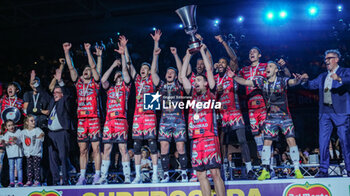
187 15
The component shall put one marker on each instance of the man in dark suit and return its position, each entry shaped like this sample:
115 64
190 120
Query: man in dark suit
334 108
59 124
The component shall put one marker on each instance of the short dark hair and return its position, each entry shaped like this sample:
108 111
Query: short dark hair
15 84
173 68
227 61
256 48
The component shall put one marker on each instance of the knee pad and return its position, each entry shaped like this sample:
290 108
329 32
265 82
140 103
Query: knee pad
165 161
183 161
137 147
153 146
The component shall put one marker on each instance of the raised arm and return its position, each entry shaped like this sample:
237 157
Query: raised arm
53 81
98 53
156 38
208 67
284 68
156 52
173 51
243 81
91 59
185 81
123 43
73 72
125 71
104 79
154 66
230 52
310 84
295 81
207 52
31 83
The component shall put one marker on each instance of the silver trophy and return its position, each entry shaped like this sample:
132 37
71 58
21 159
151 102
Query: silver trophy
187 15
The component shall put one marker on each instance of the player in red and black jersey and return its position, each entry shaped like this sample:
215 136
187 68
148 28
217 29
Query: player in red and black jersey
172 123
256 103
116 126
278 116
87 87
202 129
230 116
144 125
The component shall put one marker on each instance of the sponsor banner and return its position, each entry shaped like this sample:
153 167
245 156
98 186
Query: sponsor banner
286 187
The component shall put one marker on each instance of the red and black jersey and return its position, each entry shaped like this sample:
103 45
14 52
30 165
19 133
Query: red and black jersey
205 125
142 87
87 98
171 93
117 101
228 97
275 94
256 99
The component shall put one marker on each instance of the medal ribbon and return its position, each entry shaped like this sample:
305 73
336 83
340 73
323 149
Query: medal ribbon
267 87
12 103
251 70
36 99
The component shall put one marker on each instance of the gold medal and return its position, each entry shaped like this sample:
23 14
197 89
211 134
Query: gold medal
35 109
196 116
118 100
138 97
52 118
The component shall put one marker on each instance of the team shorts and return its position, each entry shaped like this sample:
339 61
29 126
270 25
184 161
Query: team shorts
115 131
257 118
89 130
232 119
274 124
144 127
172 126
206 153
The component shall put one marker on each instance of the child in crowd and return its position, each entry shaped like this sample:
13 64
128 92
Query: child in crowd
32 139
14 151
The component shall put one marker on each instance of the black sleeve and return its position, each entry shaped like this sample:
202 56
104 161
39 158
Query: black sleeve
26 97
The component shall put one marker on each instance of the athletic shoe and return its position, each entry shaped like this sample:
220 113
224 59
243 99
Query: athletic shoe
165 179
36 183
137 180
96 179
20 184
264 175
193 178
81 181
298 174
29 183
102 180
127 180
12 184
184 178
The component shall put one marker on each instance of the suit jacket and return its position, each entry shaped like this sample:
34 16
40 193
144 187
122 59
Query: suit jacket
340 91
63 109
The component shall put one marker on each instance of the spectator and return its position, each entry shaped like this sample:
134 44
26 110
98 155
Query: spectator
59 124
14 151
